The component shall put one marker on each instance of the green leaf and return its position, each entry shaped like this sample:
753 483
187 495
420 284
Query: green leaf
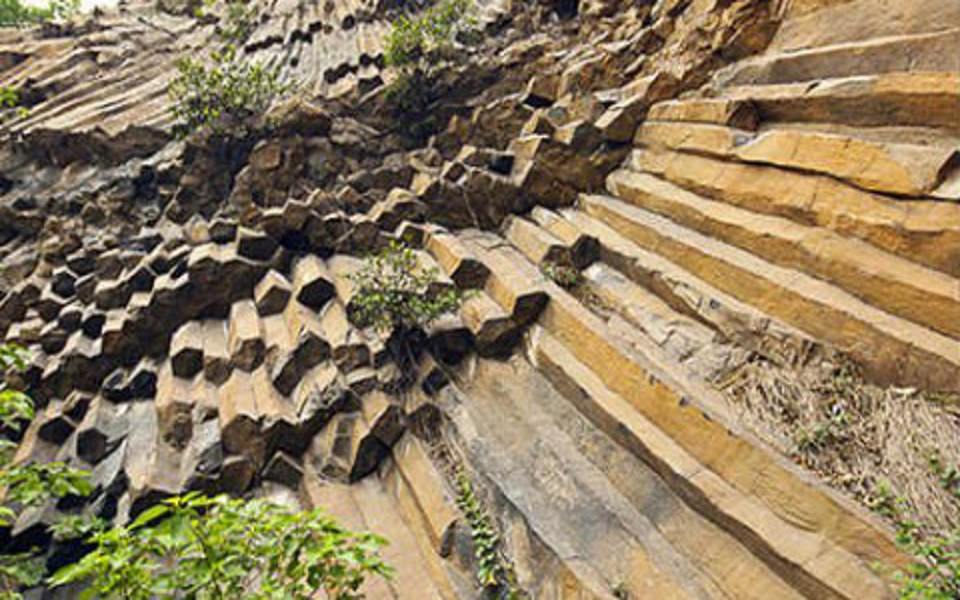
151 514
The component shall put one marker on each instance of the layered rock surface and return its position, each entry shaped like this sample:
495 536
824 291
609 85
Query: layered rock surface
734 182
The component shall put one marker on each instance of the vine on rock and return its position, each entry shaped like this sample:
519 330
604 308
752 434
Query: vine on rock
494 573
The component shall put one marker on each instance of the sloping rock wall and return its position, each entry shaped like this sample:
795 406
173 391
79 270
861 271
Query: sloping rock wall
740 186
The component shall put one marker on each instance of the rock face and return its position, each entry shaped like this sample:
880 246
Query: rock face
727 180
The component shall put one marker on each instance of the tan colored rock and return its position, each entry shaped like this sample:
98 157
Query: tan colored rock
494 332
244 339
584 248
311 282
511 283
619 122
925 232
899 169
216 356
542 90
739 114
899 350
174 403
272 294
539 246
186 350
459 264
903 288
349 349
239 418
915 98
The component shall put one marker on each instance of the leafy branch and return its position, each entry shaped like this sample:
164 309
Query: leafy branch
219 548
25 485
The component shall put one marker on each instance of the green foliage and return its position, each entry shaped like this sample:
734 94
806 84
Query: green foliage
219 548
493 572
563 275
413 38
419 46
935 574
223 92
238 22
25 485
948 475
395 293
14 13
831 429
10 104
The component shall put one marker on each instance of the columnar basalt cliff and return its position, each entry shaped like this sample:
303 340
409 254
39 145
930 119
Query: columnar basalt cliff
756 204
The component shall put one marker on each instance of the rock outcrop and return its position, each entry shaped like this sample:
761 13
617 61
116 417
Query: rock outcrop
736 184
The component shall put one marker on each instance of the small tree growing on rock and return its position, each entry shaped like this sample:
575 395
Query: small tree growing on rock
418 47
395 295
223 93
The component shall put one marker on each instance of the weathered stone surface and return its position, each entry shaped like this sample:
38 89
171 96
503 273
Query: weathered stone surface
244 340
101 431
926 233
312 283
739 114
186 350
791 183
240 418
284 470
584 248
494 332
538 245
216 355
620 121
509 284
885 280
272 293
456 260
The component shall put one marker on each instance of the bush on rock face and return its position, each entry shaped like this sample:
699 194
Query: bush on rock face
419 47
413 39
395 293
14 13
223 93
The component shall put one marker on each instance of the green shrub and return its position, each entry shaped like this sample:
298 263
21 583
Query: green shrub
412 39
14 13
418 47
220 548
395 293
238 22
935 573
26 485
10 107
223 93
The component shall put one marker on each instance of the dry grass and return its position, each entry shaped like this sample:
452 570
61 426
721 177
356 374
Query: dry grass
854 435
